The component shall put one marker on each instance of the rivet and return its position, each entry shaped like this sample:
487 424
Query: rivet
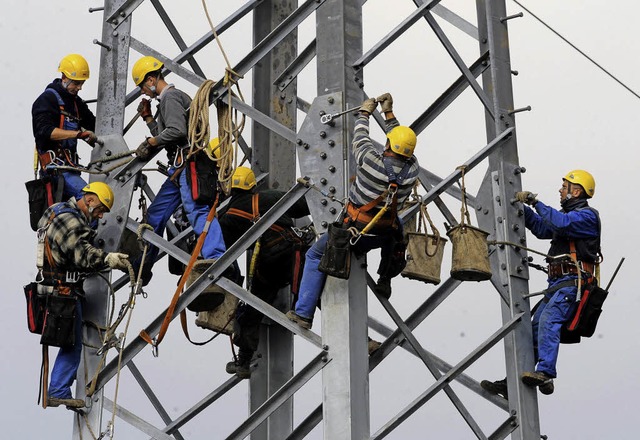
323 181
332 210
332 143
323 134
323 202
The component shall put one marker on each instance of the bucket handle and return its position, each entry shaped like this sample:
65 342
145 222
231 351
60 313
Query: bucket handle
464 210
422 221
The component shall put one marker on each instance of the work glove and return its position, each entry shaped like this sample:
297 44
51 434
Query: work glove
88 136
368 105
526 197
144 150
144 108
116 260
386 102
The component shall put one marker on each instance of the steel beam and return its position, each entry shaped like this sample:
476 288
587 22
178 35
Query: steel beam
213 273
503 220
176 36
290 73
446 378
280 397
274 154
137 375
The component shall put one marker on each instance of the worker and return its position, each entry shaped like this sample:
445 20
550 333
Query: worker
381 176
67 237
574 232
275 261
170 132
59 118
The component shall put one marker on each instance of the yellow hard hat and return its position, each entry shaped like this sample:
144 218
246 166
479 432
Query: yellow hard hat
214 149
74 67
584 179
103 191
243 178
143 66
402 140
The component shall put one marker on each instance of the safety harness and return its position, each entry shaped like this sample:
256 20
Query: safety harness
52 282
293 235
65 153
48 272
365 217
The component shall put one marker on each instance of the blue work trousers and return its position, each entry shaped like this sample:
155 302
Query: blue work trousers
73 185
547 324
313 280
67 362
167 201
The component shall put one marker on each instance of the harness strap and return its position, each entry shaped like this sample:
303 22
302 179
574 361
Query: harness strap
554 289
254 216
154 342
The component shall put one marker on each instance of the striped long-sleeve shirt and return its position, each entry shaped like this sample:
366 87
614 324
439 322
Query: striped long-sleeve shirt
71 239
371 176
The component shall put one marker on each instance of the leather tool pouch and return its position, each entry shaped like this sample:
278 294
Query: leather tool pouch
336 260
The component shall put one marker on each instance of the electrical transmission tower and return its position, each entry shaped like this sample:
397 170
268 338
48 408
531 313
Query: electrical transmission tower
322 152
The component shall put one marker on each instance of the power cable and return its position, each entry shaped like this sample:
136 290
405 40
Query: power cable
578 50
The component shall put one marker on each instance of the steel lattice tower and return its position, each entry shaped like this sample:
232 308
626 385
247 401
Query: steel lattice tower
322 154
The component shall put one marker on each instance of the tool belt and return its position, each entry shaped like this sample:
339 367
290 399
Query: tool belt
563 268
360 218
58 157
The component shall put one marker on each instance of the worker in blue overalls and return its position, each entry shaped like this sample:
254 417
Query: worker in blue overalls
574 232
170 131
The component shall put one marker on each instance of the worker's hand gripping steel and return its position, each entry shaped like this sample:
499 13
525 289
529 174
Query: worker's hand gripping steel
386 102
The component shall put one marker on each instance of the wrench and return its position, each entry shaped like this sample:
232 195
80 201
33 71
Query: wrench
325 119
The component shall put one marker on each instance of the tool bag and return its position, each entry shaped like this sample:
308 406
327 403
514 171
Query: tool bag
43 193
589 309
59 320
424 251
336 260
202 178
470 253
36 307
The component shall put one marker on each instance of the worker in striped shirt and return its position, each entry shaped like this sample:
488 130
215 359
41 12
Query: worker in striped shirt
380 176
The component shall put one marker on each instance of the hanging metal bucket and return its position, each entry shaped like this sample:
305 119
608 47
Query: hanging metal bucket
215 306
470 254
424 257
424 251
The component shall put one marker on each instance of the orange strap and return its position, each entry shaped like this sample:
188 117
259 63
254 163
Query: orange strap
255 214
362 214
172 306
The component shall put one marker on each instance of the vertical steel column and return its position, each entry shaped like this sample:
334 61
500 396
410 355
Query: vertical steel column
506 220
274 155
112 83
345 379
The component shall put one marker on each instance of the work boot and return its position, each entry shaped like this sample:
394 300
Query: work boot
69 403
241 366
383 287
373 345
499 387
300 320
539 379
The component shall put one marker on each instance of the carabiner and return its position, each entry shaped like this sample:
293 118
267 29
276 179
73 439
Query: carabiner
154 347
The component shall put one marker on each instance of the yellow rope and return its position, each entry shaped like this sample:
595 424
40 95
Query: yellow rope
230 124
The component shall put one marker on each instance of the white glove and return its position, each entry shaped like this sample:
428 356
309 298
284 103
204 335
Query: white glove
116 260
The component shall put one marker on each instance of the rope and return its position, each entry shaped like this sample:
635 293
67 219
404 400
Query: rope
578 50
553 257
464 210
230 125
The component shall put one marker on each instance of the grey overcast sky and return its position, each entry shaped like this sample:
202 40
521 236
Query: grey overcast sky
580 118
